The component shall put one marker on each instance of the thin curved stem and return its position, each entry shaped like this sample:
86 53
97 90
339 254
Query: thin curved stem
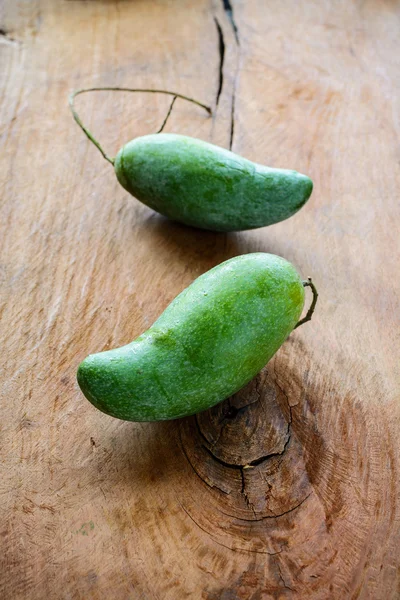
310 311
167 116
118 89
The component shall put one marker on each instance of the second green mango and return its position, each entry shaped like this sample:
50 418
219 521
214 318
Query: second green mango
208 343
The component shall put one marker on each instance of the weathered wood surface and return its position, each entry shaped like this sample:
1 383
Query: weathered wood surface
95 508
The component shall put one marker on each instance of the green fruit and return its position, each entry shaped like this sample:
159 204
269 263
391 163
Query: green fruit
210 341
205 186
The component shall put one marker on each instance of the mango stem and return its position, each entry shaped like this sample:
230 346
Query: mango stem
310 311
88 134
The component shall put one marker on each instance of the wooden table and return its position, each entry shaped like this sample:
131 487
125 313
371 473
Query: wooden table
96 508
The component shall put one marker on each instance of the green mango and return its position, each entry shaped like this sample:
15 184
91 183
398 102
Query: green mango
209 342
205 186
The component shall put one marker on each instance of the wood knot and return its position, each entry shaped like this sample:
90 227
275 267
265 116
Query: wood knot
244 452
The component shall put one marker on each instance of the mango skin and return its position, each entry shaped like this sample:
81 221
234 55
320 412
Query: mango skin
209 342
202 185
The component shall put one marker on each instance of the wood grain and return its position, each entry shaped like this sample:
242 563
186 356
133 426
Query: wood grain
290 489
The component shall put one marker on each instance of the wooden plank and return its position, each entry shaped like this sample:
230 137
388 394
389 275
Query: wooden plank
97 508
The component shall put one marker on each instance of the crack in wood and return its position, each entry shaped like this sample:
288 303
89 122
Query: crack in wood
284 393
233 114
6 37
229 11
286 512
227 7
250 505
212 486
281 577
220 461
233 549
252 463
221 48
